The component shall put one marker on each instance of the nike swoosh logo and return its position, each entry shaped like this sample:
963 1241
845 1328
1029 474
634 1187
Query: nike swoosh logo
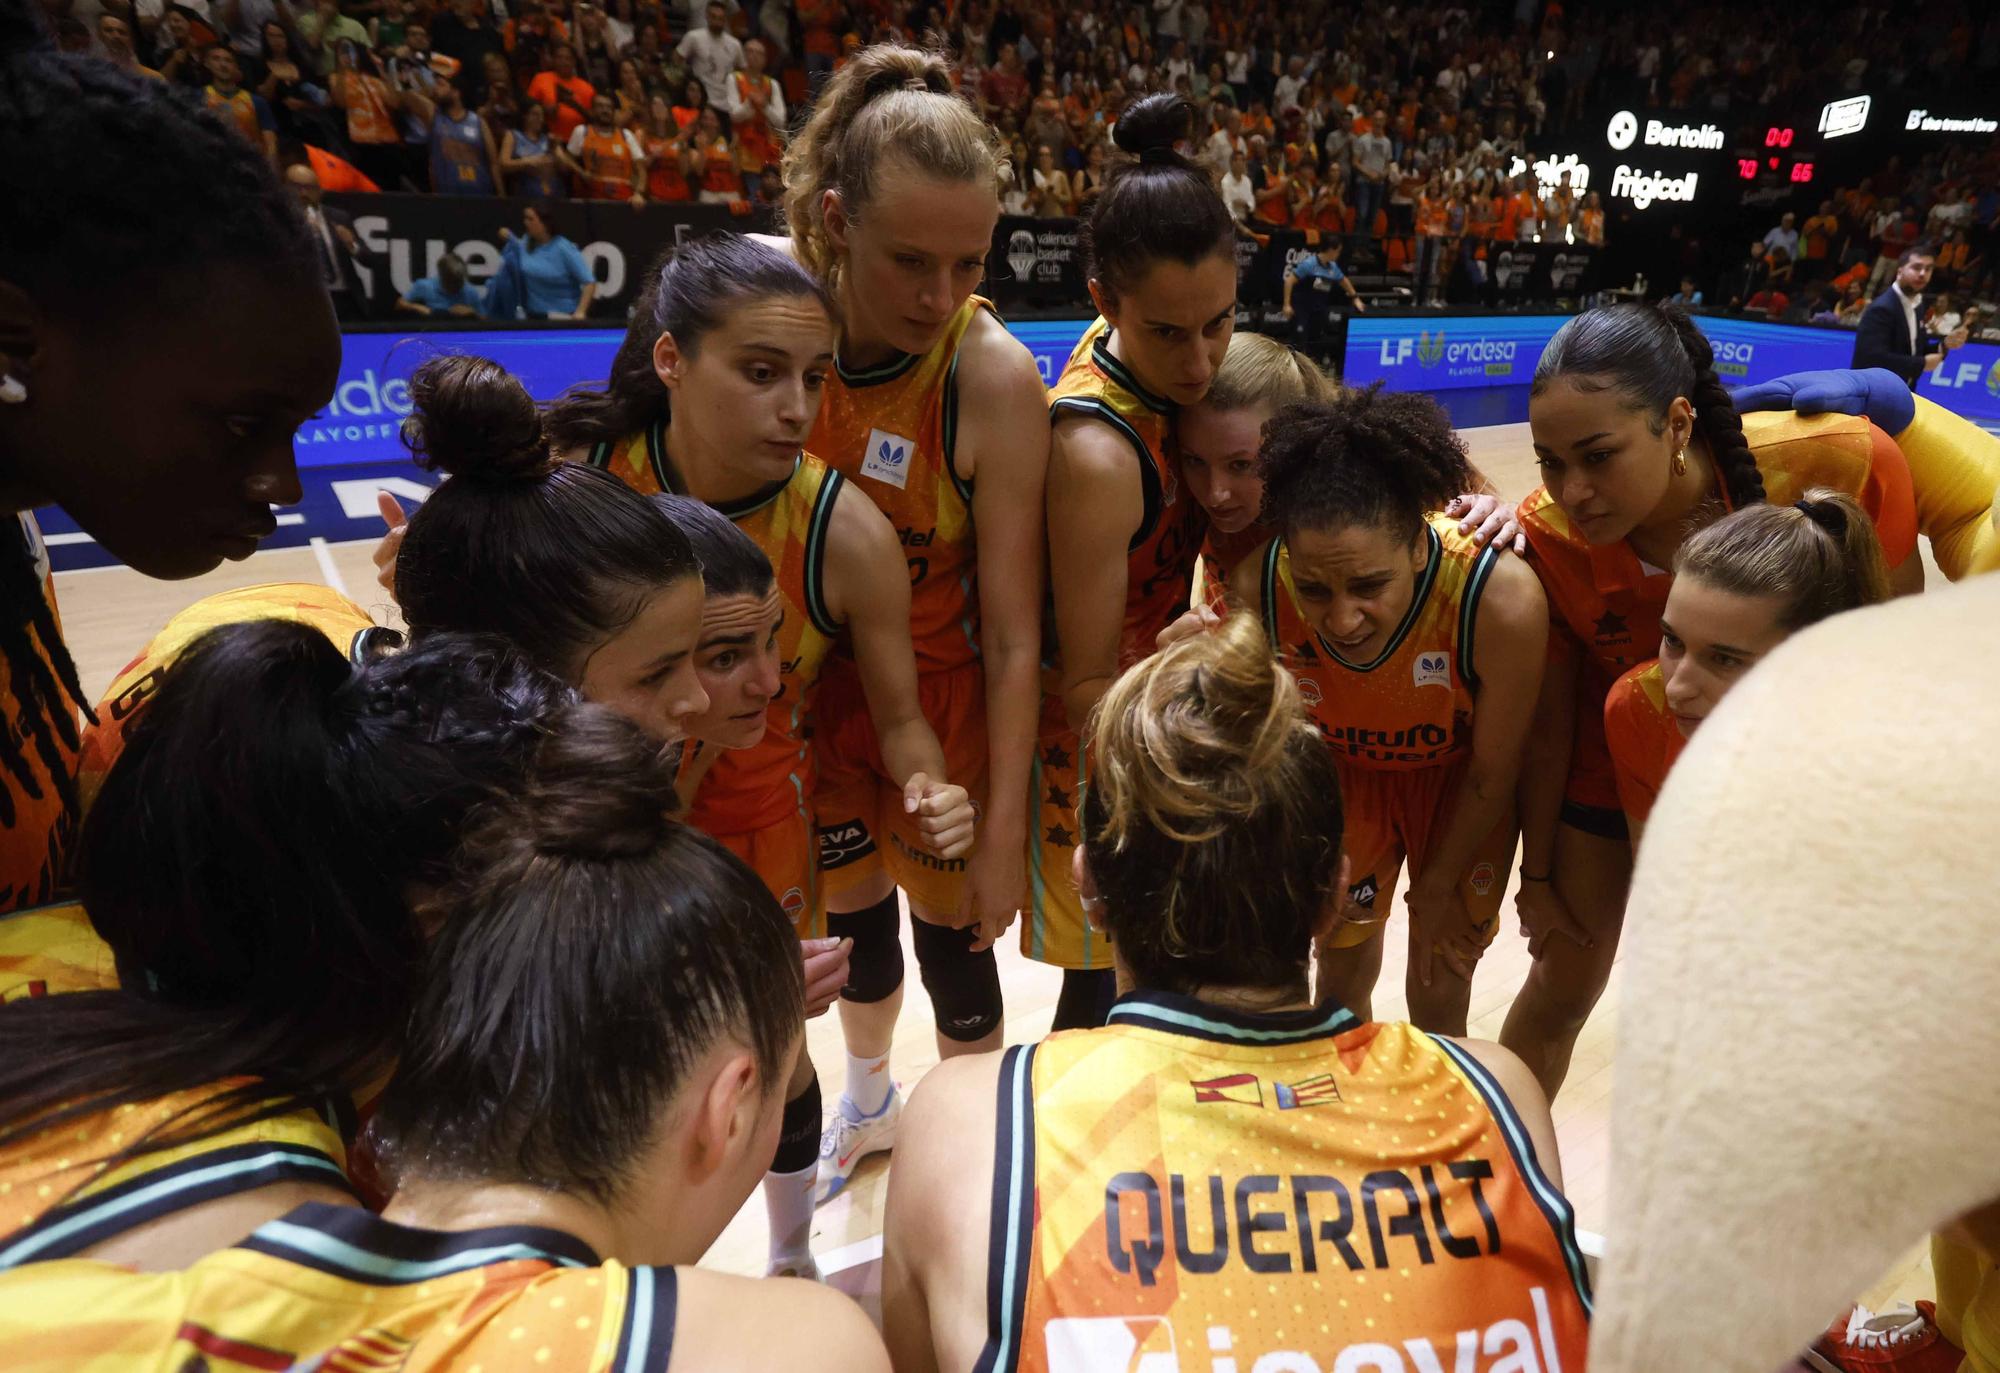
846 1159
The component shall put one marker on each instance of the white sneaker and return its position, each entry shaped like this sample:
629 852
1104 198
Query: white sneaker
847 1141
795 1266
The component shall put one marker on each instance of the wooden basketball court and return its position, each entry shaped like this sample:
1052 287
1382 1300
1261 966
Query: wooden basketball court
109 613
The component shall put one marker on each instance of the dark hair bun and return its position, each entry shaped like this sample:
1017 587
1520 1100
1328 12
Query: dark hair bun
473 418
1153 124
599 789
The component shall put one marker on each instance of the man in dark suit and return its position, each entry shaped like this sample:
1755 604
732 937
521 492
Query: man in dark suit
341 255
1892 334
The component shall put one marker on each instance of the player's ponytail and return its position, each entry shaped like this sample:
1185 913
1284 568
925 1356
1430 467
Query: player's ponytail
887 102
1368 457
1815 557
1259 372
1211 819
1652 355
250 860
593 950
1159 207
556 557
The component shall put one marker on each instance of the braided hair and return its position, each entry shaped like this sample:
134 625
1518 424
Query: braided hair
1652 355
112 187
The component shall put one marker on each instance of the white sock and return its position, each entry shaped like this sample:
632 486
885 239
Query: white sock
868 1086
788 1200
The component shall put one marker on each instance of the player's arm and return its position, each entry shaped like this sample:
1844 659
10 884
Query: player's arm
1244 595
727 1324
1526 1096
1094 505
1003 441
868 589
938 1219
1510 648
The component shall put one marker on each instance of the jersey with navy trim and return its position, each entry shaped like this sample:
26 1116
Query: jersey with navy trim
1160 557
1411 707
748 789
1191 1184
892 430
337 1288
89 1179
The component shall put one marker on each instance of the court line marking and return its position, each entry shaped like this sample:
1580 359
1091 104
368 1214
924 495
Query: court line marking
848 1256
326 566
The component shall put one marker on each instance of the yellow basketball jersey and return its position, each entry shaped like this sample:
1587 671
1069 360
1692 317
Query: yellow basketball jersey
748 789
1190 1188
1412 706
338 1289
345 624
71 1186
1160 559
891 430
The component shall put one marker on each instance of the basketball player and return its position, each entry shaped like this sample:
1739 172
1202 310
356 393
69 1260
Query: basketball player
591 1084
939 414
1217 441
1123 536
711 395
1638 445
1227 1175
145 247
186 1060
1742 586
1419 655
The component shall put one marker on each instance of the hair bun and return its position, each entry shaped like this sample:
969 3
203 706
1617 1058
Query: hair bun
599 788
1149 128
473 418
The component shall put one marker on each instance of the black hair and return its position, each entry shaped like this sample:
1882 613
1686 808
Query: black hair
1364 457
731 562
1161 206
555 556
117 192
1651 355
248 860
1922 248
42 677
593 950
690 290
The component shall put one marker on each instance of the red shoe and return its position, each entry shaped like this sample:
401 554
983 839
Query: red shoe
1904 1340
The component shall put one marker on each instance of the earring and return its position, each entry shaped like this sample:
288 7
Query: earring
1681 461
12 392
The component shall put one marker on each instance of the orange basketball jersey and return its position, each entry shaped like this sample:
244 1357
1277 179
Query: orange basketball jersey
338 1289
891 431
1193 1188
37 811
1643 737
1610 601
344 623
1412 706
1160 558
748 789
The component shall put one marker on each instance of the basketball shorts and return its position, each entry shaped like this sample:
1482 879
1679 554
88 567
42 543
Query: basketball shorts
1055 930
783 853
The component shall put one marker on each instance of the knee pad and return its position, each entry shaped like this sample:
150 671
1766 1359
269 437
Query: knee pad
875 966
1085 1000
964 986
798 1132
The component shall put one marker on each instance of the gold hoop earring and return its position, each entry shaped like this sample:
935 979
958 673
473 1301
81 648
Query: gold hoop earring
1681 461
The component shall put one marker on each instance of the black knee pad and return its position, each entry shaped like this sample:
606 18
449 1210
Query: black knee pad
964 986
1085 1000
875 965
798 1132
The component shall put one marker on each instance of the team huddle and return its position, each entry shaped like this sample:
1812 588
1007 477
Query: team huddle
433 1000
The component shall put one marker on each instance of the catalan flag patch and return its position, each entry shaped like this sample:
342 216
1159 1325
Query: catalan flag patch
1313 1091
1243 1089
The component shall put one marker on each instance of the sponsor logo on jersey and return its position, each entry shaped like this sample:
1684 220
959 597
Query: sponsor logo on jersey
1364 892
1309 691
1110 1344
1524 1341
1312 1091
794 903
1240 1089
840 845
1483 877
888 458
1432 669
